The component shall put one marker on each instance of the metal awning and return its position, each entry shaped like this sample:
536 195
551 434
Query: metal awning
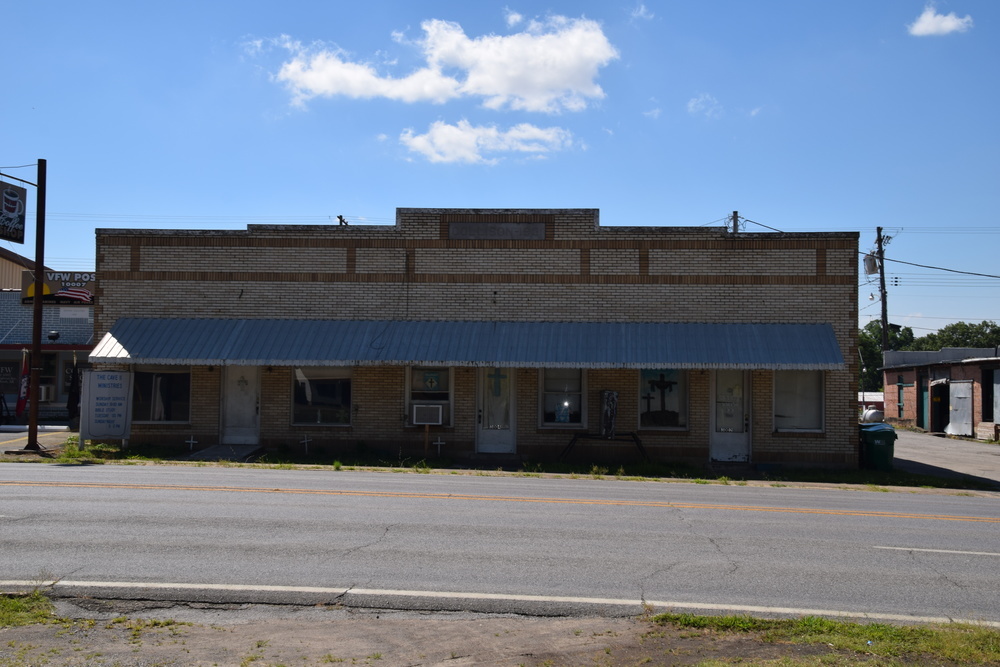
260 342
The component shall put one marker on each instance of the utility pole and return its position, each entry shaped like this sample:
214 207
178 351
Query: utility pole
36 325
881 285
35 369
736 222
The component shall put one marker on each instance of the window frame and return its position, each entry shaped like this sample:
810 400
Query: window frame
685 378
337 373
821 399
447 406
161 370
542 393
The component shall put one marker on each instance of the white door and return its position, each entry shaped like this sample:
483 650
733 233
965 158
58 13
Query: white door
240 423
996 395
730 416
960 408
497 414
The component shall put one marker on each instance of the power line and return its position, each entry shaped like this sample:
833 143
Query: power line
759 224
940 268
935 268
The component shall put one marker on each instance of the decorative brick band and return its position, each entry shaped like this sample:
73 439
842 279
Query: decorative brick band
453 278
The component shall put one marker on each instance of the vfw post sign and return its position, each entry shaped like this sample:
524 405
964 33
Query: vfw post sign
106 402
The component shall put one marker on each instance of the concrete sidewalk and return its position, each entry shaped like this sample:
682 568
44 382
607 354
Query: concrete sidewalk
927 454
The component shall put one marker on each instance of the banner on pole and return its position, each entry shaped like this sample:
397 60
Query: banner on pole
12 212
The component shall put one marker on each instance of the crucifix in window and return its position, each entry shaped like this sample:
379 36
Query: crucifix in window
497 378
663 385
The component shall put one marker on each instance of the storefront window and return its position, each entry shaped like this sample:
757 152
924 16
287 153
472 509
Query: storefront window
161 395
798 400
430 386
321 396
562 397
663 398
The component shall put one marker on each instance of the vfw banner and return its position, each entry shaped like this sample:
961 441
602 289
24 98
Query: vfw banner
106 405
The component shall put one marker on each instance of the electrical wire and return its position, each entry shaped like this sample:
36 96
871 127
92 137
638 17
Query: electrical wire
762 225
935 268
716 222
940 268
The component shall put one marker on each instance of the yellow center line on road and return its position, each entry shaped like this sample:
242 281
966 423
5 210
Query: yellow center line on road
24 438
508 499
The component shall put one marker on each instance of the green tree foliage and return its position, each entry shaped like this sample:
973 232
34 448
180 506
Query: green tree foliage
870 349
960 334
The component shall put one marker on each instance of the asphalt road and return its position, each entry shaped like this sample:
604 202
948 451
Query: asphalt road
535 545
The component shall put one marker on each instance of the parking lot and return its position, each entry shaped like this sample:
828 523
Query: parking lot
927 454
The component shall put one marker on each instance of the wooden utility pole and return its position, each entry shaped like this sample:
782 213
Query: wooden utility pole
36 325
736 222
881 286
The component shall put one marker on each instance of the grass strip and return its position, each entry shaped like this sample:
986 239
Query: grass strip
957 643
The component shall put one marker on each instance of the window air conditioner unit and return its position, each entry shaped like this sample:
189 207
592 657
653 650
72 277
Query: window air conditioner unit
46 393
426 415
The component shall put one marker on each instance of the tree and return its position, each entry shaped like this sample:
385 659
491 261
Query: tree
870 349
960 334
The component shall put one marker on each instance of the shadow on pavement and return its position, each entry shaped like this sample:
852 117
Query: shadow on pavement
918 468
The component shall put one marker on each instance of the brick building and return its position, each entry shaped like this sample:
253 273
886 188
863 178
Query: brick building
510 327
67 337
952 390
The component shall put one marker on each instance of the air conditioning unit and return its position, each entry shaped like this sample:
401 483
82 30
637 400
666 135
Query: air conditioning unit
46 393
426 415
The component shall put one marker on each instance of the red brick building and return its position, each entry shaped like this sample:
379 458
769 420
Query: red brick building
953 390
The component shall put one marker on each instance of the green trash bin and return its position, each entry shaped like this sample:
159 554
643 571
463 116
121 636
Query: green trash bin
878 444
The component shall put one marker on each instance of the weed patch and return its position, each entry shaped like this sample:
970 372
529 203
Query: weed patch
28 609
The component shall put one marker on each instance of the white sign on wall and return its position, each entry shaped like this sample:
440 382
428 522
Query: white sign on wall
106 405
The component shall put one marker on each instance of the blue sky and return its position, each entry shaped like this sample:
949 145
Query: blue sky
803 116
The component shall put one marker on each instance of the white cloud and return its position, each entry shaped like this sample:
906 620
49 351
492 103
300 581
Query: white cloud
652 113
326 73
641 12
705 105
932 23
549 67
512 17
466 143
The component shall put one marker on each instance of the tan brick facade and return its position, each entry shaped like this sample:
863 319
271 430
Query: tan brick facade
524 265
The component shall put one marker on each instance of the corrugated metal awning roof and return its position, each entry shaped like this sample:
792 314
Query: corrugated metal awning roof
222 342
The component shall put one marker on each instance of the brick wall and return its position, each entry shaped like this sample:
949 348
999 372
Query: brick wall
565 267
75 324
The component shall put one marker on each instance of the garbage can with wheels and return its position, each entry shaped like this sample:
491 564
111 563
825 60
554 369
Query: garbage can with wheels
877 446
